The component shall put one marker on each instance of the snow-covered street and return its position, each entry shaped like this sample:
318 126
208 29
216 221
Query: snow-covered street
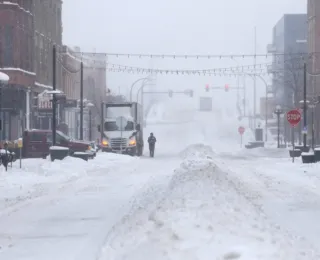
201 197
69 218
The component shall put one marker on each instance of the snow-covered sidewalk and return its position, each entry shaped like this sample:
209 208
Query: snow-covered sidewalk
64 210
288 193
39 177
202 214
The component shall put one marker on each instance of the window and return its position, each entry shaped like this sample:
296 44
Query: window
8 46
61 138
112 126
36 137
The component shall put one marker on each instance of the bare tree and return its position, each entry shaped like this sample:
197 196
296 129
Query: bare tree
290 80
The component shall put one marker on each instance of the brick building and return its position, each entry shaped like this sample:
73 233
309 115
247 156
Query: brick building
71 87
313 86
48 31
94 86
16 60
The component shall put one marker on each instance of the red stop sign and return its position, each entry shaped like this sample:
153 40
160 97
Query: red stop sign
241 130
294 117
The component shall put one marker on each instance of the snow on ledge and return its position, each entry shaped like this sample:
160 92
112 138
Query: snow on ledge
18 69
308 154
4 77
17 5
43 86
59 148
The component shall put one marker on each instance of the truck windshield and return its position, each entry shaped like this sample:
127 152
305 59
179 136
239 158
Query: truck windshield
112 126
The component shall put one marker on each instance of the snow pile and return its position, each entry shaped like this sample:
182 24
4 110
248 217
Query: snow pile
196 152
202 215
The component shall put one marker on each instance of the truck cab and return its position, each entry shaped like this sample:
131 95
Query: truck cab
121 131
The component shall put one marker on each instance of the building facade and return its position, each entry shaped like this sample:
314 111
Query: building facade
313 86
289 41
47 32
16 60
94 90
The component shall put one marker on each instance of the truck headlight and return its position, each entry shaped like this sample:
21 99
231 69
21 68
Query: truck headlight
105 142
132 142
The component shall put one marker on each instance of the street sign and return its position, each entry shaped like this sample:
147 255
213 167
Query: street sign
305 130
241 130
44 102
294 117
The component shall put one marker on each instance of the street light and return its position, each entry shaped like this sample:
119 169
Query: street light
266 105
135 82
304 105
89 106
278 111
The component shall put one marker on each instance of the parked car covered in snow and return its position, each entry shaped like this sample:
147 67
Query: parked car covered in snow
36 143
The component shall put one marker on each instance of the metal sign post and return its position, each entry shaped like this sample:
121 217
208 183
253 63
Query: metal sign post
20 145
294 118
241 131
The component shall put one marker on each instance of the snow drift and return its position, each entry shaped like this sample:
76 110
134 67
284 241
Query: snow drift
201 214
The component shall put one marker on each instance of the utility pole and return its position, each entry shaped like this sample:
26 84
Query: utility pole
255 80
244 95
54 98
305 104
90 125
81 100
266 119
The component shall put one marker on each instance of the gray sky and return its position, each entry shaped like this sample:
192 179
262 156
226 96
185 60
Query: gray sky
174 27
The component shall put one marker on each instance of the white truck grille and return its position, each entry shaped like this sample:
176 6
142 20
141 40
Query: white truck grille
116 143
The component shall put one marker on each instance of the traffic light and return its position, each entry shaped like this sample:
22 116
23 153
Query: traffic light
207 87
170 93
191 93
226 87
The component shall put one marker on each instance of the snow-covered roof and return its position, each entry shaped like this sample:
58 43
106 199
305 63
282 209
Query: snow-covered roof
50 92
17 5
4 77
43 85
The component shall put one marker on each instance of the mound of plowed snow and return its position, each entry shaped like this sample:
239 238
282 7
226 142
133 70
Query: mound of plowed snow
202 215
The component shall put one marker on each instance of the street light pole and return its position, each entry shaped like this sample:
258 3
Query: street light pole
90 125
135 82
278 112
266 105
312 130
305 104
81 100
278 117
54 98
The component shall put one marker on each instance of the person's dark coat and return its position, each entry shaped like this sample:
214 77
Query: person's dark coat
152 140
